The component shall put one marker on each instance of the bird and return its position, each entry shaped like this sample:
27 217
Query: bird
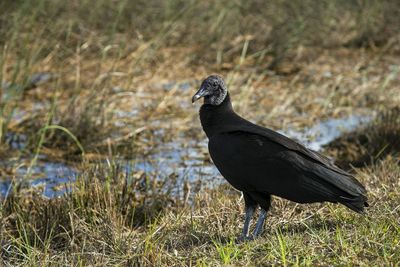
262 163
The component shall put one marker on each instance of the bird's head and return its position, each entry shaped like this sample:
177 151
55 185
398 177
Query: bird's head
213 90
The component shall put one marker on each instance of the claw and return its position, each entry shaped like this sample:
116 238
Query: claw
240 239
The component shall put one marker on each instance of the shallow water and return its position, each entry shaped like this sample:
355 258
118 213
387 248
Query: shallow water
326 131
53 178
182 157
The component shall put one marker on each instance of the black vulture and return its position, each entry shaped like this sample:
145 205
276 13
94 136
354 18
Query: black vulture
261 162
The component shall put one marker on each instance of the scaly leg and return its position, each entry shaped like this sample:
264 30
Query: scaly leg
250 208
249 215
260 223
264 201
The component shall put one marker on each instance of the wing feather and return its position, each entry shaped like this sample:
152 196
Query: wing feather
320 165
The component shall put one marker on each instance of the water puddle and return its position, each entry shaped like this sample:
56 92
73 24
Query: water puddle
326 131
53 178
187 159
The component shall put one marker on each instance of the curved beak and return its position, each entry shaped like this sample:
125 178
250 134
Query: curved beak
201 93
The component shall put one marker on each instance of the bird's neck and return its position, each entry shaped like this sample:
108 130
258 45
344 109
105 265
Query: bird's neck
213 117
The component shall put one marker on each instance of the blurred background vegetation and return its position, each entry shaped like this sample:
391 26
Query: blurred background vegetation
215 30
93 46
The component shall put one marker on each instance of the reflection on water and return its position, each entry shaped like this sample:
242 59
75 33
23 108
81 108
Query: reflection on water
186 158
53 178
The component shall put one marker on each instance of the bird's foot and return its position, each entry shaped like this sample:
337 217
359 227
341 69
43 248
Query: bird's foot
244 238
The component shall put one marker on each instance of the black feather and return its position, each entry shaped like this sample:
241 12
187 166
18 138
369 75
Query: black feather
256 159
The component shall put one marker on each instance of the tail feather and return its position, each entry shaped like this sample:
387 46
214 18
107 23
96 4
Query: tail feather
353 198
356 204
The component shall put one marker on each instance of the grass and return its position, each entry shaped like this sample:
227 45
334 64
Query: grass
123 74
120 223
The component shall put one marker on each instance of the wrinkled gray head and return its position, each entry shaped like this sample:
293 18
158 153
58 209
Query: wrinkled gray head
213 90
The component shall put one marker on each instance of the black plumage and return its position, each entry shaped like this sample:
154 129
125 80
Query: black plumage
261 162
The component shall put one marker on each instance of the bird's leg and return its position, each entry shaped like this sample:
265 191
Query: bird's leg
249 210
249 215
265 204
260 223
